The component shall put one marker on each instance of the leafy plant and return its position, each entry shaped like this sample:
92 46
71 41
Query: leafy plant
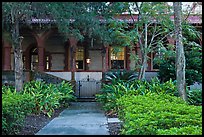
67 92
47 97
115 76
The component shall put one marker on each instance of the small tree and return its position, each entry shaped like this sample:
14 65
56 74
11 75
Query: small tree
152 26
13 14
180 57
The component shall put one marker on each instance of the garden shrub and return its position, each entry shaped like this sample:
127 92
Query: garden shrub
153 114
47 97
15 106
111 92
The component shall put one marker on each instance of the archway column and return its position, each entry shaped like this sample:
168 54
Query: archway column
41 38
41 58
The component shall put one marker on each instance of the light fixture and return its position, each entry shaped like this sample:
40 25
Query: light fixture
88 61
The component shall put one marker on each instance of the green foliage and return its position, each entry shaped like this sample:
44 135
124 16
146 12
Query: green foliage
36 97
115 90
47 97
115 76
152 114
15 106
110 93
188 130
67 92
194 97
193 63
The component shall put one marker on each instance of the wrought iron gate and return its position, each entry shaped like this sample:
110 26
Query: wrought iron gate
87 88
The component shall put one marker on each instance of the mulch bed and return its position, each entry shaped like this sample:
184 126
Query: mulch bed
33 123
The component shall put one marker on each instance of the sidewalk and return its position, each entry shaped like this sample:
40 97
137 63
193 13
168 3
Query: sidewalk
81 118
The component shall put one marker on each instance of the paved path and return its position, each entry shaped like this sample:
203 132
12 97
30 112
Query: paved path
81 118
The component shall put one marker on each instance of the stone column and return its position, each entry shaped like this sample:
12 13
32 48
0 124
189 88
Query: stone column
7 56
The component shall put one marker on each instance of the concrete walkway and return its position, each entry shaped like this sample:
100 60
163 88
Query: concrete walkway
81 118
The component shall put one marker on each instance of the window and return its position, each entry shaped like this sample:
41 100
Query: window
34 59
80 58
47 62
117 57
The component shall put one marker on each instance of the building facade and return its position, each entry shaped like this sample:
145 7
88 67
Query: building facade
47 51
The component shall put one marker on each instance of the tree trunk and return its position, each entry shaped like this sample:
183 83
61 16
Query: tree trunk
143 48
18 68
143 68
180 57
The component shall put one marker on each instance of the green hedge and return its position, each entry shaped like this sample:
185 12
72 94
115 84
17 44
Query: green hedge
153 114
15 106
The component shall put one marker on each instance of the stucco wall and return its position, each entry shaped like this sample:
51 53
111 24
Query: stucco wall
84 75
96 60
78 75
57 62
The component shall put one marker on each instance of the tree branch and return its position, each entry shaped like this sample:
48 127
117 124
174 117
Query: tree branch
194 5
164 37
